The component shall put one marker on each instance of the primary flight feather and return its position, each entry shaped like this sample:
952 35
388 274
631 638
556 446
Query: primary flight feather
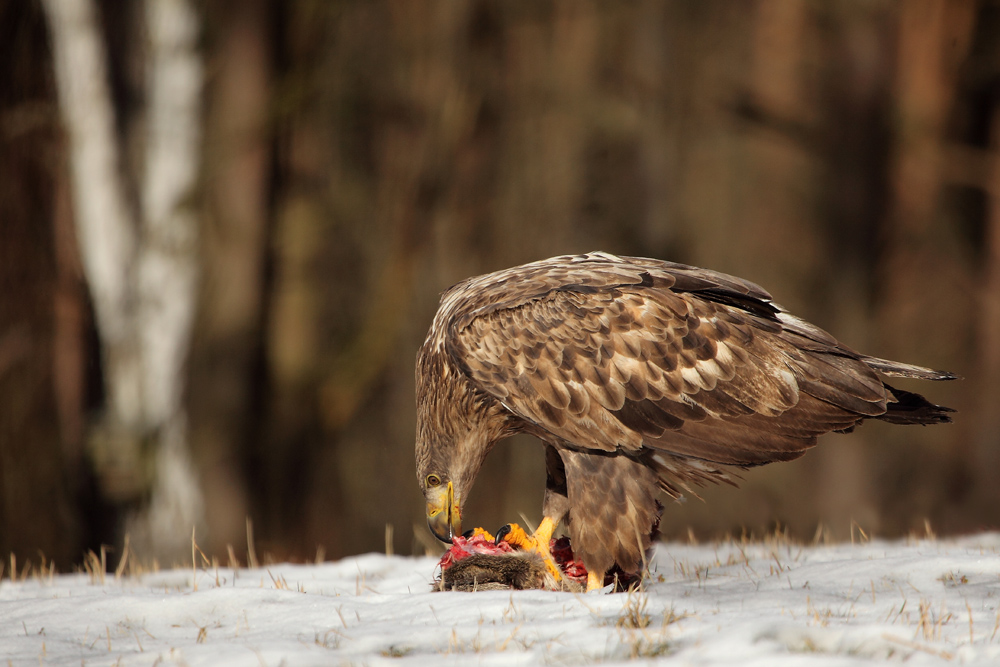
638 375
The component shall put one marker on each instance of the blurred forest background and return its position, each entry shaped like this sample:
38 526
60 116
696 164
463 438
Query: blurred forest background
224 227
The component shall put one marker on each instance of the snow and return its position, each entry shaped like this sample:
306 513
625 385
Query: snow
771 602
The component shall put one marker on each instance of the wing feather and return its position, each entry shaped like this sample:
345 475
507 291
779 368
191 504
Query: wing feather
610 353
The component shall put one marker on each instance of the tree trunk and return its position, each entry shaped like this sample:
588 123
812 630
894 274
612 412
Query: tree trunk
987 454
105 224
224 393
168 270
139 261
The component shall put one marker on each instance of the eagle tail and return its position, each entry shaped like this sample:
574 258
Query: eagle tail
911 408
899 369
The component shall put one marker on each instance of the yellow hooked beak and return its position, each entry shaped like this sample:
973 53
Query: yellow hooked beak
443 515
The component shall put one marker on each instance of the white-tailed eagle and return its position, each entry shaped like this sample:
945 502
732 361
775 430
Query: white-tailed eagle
638 375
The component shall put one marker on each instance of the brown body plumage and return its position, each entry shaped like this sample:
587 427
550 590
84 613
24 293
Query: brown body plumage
638 375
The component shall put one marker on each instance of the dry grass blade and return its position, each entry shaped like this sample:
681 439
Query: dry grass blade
120 570
234 562
96 566
634 615
251 551
918 647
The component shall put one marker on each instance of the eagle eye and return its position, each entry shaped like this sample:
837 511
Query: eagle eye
433 480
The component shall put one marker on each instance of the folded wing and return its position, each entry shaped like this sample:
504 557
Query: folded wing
641 353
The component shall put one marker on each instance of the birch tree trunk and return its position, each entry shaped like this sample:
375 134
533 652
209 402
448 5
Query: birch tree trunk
168 268
105 224
140 260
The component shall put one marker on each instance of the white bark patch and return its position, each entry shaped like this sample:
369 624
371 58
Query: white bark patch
105 226
168 258
104 223
176 503
142 274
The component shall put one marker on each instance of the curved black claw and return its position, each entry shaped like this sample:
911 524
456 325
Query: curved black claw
502 532
469 533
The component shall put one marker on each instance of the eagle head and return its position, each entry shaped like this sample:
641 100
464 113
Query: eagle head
448 461
444 511
457 427
446 471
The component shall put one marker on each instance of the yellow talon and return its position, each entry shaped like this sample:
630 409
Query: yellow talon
515 536
537 543
595 581
482 531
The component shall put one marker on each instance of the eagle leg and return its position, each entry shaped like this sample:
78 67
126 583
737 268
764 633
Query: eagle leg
595 581
537 542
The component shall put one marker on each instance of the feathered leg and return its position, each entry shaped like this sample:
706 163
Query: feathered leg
613 511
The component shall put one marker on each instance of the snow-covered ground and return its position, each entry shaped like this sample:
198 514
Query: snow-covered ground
759 603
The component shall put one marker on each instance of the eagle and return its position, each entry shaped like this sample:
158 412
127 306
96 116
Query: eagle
638 376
